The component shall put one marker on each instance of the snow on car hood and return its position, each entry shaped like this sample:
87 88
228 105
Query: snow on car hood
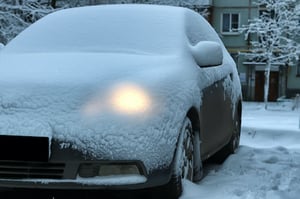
73 97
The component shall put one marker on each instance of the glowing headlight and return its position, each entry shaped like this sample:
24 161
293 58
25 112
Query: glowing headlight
129 99
124 99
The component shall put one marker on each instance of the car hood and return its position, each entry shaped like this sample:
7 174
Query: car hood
73 98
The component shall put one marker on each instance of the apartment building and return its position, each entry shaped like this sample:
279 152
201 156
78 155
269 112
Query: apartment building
227 17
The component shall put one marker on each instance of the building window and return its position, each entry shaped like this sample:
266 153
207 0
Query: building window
230 22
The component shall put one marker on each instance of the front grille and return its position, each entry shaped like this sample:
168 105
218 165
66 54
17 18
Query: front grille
35 170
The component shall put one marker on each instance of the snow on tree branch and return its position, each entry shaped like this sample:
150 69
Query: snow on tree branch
276 32
276 29
16 15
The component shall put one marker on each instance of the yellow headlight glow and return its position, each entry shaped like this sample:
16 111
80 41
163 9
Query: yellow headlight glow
130 99
122 99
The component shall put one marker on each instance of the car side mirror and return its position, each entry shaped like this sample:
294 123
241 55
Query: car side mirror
208 53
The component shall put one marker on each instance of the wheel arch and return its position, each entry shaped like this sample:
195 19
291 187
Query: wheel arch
239 107
193 115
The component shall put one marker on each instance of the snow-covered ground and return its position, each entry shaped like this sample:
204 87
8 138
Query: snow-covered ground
267 164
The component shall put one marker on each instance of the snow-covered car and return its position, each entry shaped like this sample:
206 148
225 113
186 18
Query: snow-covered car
116 97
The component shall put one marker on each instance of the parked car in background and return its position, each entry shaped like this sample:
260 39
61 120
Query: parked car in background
117 97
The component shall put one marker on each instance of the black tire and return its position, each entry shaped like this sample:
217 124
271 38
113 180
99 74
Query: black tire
187 161
234 143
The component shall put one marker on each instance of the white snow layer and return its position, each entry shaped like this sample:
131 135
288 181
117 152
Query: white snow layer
103 180
266 166
49 82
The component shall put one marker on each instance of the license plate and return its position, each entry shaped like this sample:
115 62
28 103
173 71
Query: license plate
24 148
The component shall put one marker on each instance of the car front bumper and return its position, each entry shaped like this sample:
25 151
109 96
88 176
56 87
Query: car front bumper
156 178
68 169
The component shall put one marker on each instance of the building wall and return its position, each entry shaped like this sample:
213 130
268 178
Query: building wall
236 42
288 81
293 81
233 41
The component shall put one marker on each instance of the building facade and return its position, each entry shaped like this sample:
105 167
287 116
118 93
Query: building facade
227 18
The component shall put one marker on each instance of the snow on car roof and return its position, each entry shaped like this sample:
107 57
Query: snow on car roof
140 28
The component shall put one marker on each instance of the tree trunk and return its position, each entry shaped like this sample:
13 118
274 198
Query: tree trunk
53 3
267 83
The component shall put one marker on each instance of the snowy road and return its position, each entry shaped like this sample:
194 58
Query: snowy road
267 164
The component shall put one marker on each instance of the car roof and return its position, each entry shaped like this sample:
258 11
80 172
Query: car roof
151 28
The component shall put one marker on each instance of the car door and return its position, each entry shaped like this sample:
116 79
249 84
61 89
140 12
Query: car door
215 117
215 111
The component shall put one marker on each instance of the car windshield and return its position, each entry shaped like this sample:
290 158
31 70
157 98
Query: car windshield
94 29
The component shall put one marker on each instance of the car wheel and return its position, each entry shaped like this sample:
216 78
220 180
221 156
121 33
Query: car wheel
187 161
235 138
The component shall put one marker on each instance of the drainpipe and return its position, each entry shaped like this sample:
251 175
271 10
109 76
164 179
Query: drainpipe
298 106
249 17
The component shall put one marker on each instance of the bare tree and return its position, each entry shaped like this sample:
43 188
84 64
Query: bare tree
277 29
16 15
53 3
